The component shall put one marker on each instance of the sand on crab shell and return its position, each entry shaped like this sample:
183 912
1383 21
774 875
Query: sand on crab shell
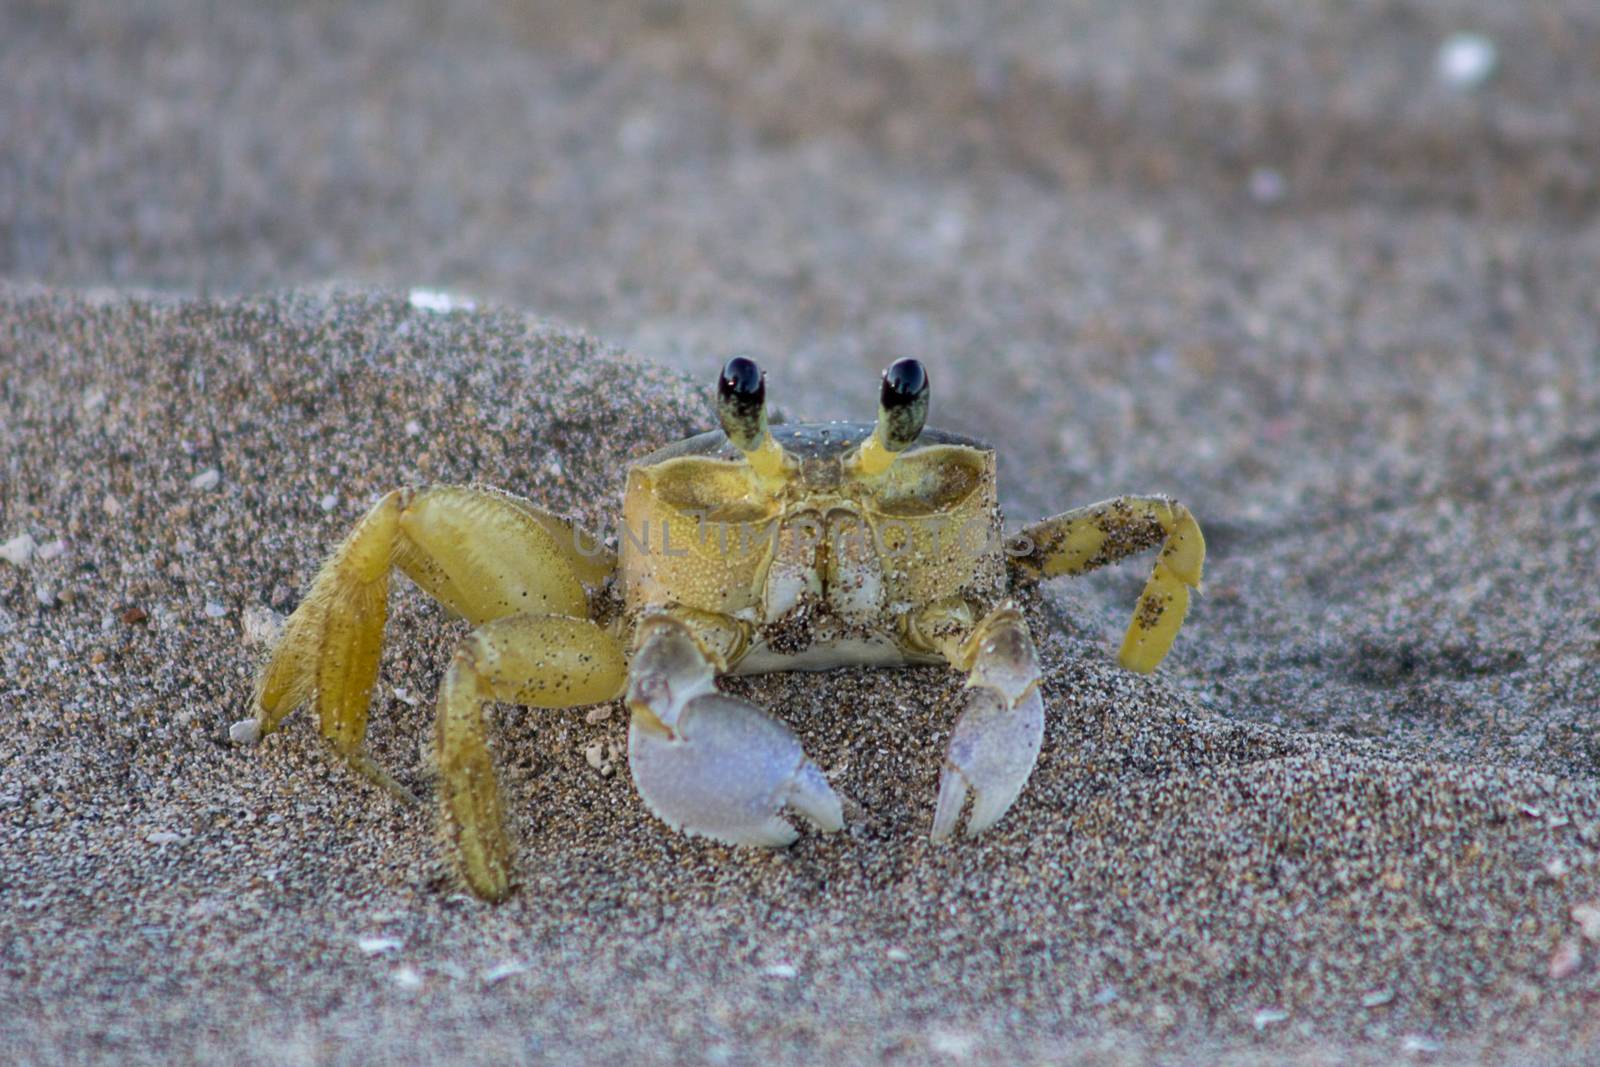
1173 879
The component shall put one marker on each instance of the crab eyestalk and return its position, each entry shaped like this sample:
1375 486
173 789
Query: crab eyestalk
902 410
742 410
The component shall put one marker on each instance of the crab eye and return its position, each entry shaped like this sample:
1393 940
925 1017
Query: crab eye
902 404
742 402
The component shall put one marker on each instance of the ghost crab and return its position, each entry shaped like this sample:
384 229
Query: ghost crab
745 549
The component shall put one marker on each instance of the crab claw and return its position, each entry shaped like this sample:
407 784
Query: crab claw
726 771
996 740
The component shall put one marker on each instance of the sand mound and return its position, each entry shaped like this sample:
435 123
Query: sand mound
1174 878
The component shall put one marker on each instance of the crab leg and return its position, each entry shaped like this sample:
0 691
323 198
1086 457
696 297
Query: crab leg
1081 540
542 661
996 740
710 764
484 554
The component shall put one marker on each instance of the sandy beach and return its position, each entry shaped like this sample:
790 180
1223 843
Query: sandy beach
258 268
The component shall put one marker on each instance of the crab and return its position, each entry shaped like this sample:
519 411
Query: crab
748 549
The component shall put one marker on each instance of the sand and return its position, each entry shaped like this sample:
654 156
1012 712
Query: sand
1171 875
1260 258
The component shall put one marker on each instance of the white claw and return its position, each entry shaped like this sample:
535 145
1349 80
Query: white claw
952 795
727 772
812 796
992 751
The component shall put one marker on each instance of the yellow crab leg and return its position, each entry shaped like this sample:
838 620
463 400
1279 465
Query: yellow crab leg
330 644
1081 540
544 661
484 554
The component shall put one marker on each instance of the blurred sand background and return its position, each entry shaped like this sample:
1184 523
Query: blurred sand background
1268 256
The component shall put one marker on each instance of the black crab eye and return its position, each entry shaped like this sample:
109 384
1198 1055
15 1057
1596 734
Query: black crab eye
742 402
902 404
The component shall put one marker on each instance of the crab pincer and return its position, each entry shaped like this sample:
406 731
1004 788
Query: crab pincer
710 764
996 740
727 772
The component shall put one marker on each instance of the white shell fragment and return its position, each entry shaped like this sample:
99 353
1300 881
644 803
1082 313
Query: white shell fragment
206 480
1267 1016
1466 60
245 732
438 301
1566 959
503 971
260 626
19 550
1587 916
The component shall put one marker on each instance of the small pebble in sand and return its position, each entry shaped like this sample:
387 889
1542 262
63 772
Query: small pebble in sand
780 970
375 946
408 978
1419 1045
595 753
413 428
1566 959
951 1043
897 955
438 301
45 595
1465 60
111 506
245 732
19 550
206 480
215 609
1267 185
1267 1016
163 837
329 502
405 696
1377 998
260 626
1587 916
599 714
